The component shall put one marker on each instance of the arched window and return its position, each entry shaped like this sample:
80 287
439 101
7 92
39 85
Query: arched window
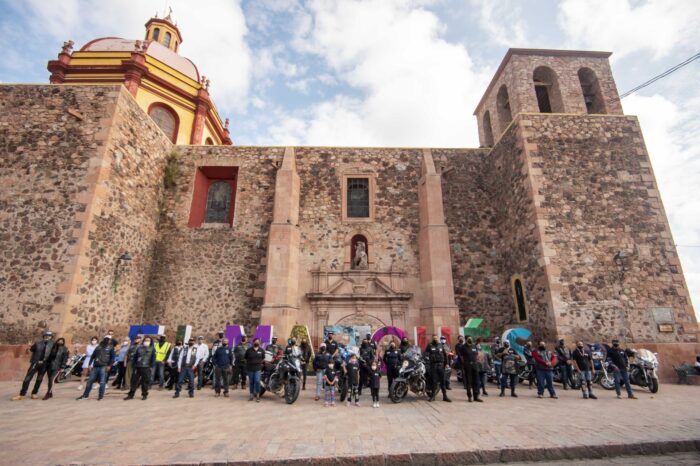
218 202
167 39
488 132
503 107
358 246
547 90
591 91
166 119
209 142
519 298
156 34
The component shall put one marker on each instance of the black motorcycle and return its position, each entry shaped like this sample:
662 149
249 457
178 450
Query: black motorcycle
74 367
412 377
559 375
283 377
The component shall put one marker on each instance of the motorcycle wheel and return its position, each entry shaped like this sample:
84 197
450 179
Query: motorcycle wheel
607 382
62 377
653 385
291 391
398 390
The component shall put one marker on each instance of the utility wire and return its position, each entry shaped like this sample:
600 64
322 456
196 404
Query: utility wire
656 78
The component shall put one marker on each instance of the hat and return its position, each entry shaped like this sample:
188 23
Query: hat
48 333
200 338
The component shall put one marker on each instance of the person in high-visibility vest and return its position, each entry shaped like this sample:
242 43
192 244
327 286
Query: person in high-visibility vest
162 353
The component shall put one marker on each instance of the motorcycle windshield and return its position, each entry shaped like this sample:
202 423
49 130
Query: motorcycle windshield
412 353
646 355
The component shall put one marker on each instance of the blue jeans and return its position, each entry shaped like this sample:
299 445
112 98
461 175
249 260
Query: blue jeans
498 366
625 376
97 371
189 373
509 378
254 382
319 382
545 377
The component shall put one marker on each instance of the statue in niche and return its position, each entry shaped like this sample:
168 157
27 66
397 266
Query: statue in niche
360 261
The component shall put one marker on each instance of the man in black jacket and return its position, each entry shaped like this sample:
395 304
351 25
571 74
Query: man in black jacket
321 362
239 363
437 360
366 358
331 345
470 369
564 365
186 363
223 360
144 363
57 361
41 351
305 358
101 360
404 346
391 359
254 359
617 357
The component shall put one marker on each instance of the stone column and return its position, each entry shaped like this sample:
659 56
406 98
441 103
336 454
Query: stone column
281 306
438 307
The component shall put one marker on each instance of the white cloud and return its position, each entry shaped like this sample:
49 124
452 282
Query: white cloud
416 88
672 136
214 34
502 21
625 26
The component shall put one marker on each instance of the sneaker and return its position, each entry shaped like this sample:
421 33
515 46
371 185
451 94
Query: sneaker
540 396
217 395
332 404
514 395
80 387
191 395
478 400
632 397
48 396
348 403
502 394
34 396
316 398
325 404
377 404
144 397
485 394
131 397
357 403
81 397
554 397
250 398
469 399
176 395
18 398
585 397
619 397
592 396
257 399
226 395
100 398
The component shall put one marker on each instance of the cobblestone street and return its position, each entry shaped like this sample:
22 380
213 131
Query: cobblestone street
208 429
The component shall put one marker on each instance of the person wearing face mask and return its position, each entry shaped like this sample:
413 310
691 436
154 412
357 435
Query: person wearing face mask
56 362
617 357
186 364
485 363
239 374
437 360
172 364
144 363
162 349
120 380
497 347
86 362
470 370
129 361
212 350
366 358
202 357
527 351
223 362
564 365
38 364
509 366
331 345
353 369
391 359
372 343
404 346
583 359
273 347
305 358
101 360
254 359
321 362
375 377
544 365
448 350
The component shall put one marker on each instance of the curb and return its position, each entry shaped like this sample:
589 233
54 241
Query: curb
507 455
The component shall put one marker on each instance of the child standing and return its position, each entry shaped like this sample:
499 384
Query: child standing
353 371
375 376
330 381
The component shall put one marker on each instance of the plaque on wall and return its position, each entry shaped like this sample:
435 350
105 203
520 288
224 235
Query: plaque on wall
662 315
666 328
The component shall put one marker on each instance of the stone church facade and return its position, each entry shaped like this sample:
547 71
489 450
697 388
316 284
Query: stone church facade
555 223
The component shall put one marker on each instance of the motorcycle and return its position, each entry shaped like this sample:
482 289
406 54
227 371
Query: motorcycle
559 377
603 375
74 367
642 369
281 376
412 376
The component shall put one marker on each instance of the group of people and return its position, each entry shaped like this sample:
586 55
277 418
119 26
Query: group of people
144 361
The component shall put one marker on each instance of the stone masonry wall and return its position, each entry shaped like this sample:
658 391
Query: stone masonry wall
48 135
125 221
212 276
596 194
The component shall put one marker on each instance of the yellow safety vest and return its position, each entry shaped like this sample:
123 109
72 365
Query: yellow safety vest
161 351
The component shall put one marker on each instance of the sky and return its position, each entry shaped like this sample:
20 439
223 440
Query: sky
398 72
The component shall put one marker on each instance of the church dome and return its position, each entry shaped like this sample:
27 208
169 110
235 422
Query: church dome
154 49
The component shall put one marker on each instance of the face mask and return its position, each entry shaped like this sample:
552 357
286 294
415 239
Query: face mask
190 343
542 347
435 342
60 343
256 345
162 340
616 345
374 368
580 347
146 343
443 341
94 342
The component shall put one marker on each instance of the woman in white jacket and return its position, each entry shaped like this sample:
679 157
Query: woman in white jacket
86 363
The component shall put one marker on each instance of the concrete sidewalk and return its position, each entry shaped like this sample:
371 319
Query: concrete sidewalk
205 429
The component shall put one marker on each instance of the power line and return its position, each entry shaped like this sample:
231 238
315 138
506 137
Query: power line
656 78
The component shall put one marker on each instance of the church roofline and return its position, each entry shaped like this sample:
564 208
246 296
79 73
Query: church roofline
543 52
